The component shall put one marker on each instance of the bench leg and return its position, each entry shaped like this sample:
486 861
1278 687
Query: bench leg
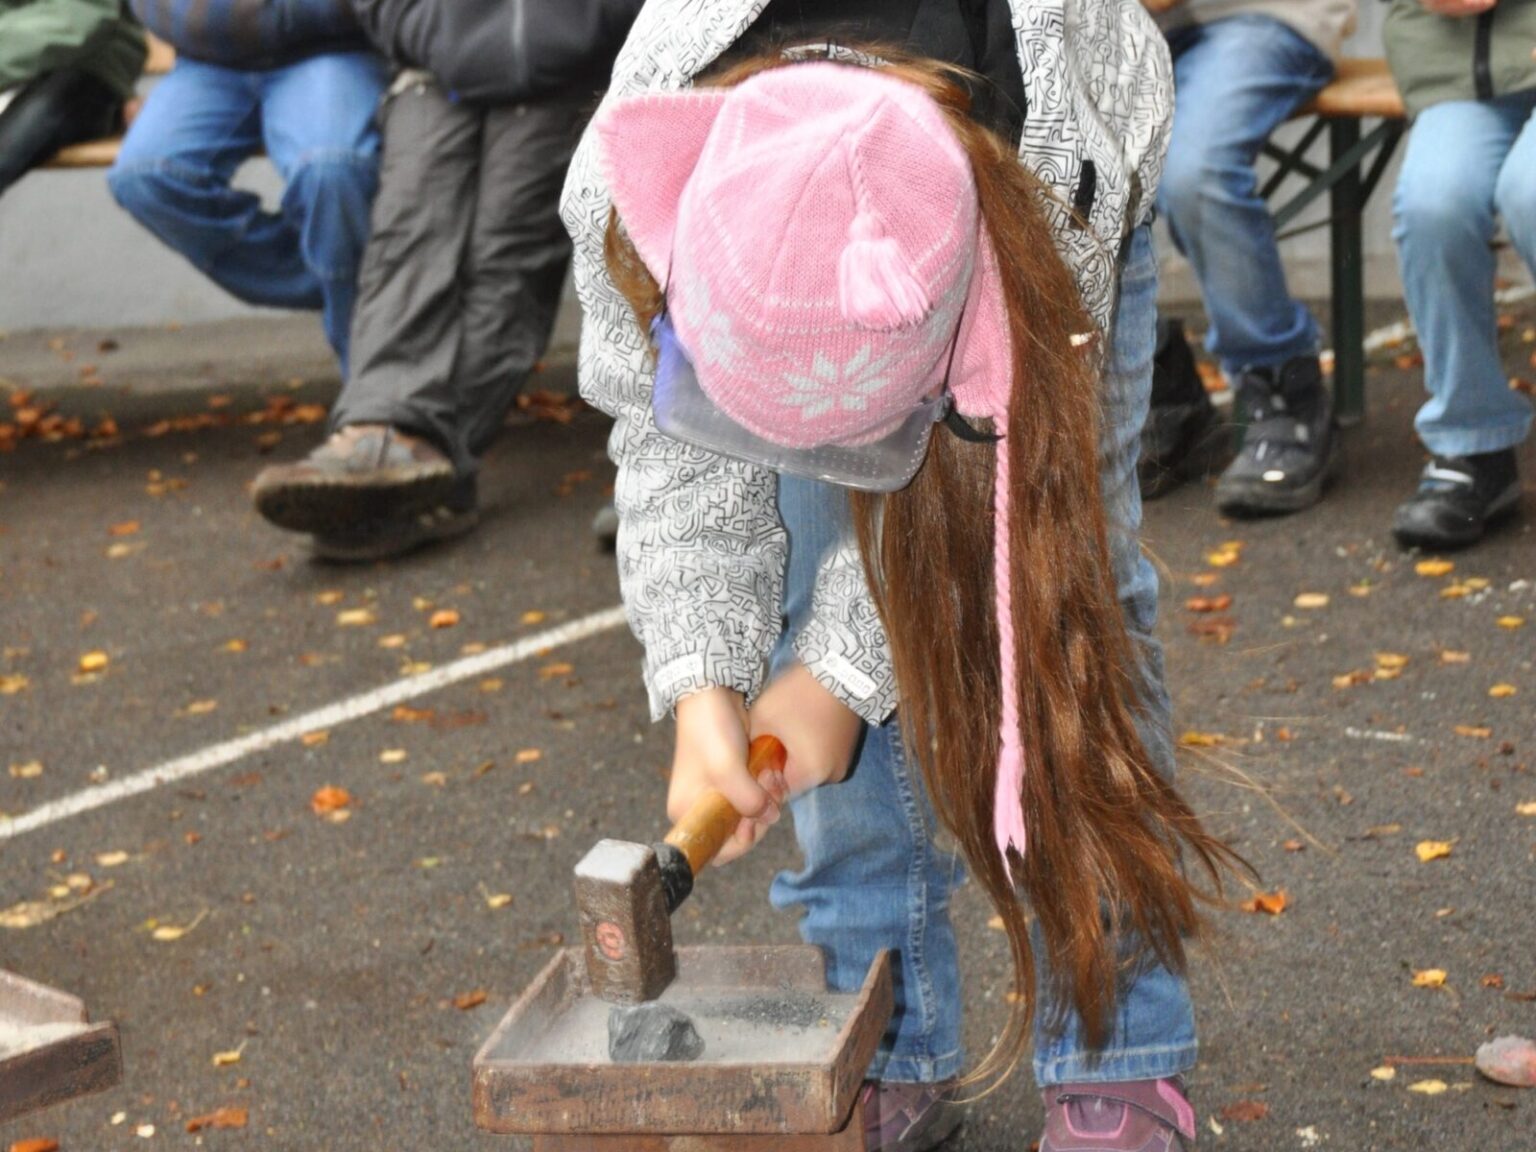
1347 248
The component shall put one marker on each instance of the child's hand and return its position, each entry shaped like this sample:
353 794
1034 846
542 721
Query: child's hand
819 731
711 752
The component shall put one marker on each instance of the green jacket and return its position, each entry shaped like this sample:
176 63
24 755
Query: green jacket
1440 58
96 36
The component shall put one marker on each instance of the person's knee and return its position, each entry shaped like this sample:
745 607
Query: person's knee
142 188
1179 193
1437 208
334 177
1515 200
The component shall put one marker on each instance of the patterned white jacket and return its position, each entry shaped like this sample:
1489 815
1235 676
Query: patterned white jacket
701 549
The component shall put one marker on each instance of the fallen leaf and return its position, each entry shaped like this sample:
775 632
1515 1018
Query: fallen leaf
1447 656
1385 1072
330 799
1429 978
1245 1111
1427 1087
439 779
443 618
1358 676
219 1118
93 662
1492 980
1193 739
31 770
31 913
1270 903
405 714
1526 809
121 550
528 755
126 528
315 739
1208 603
392 755
225 1059
1475 731
36 1144
415 667
534 617
1391 660
1311 600
111 859
11 685
1511 622
329 597
166 933
395 640
555 671
470 1000
1361 589
144 1131
235 646
1293 846
1204 579
1382 831
495 900
1434 567
492 684
1502 691
201 707
1428 850
1455 591
355 617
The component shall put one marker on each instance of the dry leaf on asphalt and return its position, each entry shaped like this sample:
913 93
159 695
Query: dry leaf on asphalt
93 662
1448 656
126 528
1475 731
36 1144
1208 603
1526 809
225 1059
1312 600
111 859
1434 567
11 685
1226 555
555 671
31 913
355 618
1502 691
1511 622
330 799
329 597
1429 978
1391 661
1385 1072
470 1000
31 770
315 739
443 618
167 933
534 617
1245 1111
219 1118
1428 1087
1194 739
528 755
1269 903
1428 850
392 756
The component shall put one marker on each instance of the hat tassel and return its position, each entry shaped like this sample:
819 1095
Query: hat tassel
877 286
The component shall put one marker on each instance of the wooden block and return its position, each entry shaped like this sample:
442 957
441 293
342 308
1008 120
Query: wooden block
850 1139
49 1053
545 1069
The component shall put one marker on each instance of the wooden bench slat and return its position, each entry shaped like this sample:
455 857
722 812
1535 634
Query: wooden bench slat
1361 88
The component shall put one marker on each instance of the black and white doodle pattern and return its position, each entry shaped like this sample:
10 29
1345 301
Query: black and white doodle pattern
701 550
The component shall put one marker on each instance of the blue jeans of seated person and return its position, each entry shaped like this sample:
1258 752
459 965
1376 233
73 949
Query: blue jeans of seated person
1237 79
872 877
1469 163
315 120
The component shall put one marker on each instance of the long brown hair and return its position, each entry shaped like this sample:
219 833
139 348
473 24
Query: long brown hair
1108 835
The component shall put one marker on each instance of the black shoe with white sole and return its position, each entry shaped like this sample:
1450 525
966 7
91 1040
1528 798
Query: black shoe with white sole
1288 448
1459 497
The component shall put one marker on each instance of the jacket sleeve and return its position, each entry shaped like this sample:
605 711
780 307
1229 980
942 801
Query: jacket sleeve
701 550
843 642
48 35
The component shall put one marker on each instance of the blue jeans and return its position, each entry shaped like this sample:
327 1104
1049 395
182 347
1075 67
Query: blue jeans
872 876
1237 80
1468 164
315 121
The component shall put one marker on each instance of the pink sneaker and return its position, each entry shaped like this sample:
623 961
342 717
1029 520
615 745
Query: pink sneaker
1133 1116
909 1117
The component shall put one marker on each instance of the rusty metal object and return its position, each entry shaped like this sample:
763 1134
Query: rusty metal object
784 1057
49 1050
850 1139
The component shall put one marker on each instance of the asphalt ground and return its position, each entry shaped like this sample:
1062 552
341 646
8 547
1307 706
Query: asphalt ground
219 913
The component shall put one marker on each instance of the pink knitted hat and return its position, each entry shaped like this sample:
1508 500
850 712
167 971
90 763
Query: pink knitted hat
826 268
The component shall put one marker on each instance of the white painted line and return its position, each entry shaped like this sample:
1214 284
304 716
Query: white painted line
343 711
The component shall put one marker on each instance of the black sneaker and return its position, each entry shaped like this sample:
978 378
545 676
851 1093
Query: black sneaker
1458 498
1287 452
1183 438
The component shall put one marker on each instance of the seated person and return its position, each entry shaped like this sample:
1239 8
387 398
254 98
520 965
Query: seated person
66 68
462 280
1468 78
1241 69
296 79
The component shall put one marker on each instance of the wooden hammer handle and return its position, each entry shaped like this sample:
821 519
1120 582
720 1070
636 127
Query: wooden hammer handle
706 826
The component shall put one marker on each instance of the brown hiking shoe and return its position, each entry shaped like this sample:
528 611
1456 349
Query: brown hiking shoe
364 474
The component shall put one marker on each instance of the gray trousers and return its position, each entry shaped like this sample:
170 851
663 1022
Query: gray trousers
463 273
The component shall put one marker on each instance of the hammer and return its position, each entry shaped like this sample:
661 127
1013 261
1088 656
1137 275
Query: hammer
626 894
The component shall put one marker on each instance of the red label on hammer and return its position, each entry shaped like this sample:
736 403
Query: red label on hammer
610 940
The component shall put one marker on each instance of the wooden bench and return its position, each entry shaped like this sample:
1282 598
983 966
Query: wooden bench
102 153
1362 90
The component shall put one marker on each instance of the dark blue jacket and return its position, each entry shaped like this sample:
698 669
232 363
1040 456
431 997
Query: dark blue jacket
252 33
503 51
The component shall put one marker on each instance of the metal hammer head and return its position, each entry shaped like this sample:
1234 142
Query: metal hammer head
625 893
